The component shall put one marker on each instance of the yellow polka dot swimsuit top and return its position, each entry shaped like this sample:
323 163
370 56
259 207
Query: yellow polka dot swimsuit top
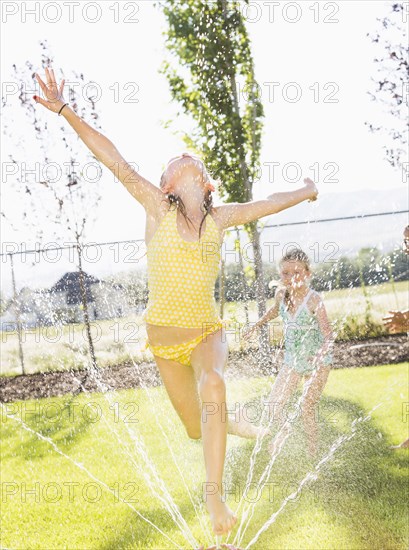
182 275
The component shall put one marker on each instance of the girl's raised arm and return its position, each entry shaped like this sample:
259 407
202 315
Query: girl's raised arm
272 313
104 150
238 213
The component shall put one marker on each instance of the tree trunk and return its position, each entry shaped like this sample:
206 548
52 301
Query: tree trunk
86 316
265 352
264 340
17 306
244 282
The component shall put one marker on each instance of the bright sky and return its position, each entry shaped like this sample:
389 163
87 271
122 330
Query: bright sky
126 57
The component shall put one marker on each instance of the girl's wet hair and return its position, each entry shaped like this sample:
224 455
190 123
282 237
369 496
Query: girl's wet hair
173 198
295 255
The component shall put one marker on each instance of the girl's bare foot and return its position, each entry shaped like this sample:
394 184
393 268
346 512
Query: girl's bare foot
246 429
262 432
257 432
221 517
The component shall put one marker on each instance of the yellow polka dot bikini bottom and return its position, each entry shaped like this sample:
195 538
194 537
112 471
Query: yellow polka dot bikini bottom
182 352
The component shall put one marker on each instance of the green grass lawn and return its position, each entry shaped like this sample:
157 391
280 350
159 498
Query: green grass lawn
120 444
115 340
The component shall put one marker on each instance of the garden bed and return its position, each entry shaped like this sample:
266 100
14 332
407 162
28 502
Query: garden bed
351 354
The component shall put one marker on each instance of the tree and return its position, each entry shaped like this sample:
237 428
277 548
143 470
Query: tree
4 303
392 81
57 191
212 45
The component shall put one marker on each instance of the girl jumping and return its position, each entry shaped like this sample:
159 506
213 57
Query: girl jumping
308 339
184 232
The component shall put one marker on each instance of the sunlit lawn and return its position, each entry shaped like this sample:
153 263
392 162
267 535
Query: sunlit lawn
358 501
116 340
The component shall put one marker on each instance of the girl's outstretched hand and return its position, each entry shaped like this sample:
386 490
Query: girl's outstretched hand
53 94
312 188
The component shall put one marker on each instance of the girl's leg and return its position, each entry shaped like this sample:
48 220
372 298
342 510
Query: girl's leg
284 386
181 385
311 399
180 382
238 424
208 360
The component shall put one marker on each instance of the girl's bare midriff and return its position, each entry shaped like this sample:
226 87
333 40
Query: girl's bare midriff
168 336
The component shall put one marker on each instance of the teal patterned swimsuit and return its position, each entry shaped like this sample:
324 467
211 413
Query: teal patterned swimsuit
302 338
